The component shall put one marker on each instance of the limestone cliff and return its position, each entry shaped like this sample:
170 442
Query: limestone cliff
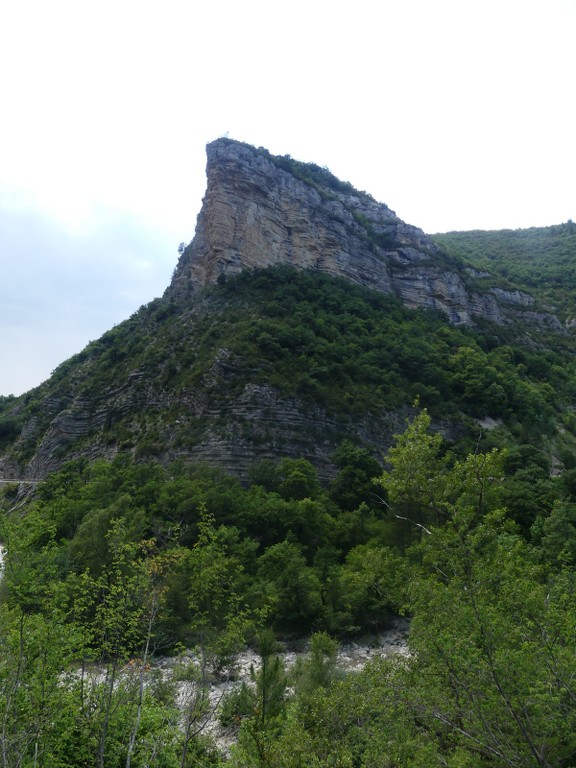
260 210
159 386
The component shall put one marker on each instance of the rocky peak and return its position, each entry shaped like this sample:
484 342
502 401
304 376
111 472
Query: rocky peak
260 210
151 389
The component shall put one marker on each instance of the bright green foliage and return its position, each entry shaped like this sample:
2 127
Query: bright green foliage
414 477
424 487
356 721
557 535
72 692
493 641
486 578
34 706
256 743
372 585
238 551
493 649
220 619
414 484
320 668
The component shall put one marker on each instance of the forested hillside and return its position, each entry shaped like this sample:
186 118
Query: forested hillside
472 536
283 362
116 563
326 423
540 260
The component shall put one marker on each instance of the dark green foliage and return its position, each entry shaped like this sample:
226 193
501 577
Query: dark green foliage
529 488
9 430
353 485
490 682
316 176
270 680
240 702
356 351
556 535
297 479
110 563
293 586
244 552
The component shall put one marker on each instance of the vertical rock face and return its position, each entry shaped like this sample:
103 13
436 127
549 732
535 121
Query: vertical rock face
261 210
256 214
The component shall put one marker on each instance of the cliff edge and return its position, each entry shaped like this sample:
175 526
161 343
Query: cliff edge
260 210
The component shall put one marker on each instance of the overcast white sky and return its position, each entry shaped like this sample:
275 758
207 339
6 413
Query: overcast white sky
457 114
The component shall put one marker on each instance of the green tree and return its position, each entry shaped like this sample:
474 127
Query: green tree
557 533
293 587
373 579
298 479
258 734
414 483
353 484
492 648
220 616
320 668
491 641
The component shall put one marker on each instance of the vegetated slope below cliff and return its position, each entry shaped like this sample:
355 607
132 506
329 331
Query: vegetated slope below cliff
278 362
538 260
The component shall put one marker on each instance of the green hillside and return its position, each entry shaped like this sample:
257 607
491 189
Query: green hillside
137 548
540 260
352 352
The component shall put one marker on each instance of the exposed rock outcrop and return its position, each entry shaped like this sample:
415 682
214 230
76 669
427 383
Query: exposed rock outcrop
231 434
261 210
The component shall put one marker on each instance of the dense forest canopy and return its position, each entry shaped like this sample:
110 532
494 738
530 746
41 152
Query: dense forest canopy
119 561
